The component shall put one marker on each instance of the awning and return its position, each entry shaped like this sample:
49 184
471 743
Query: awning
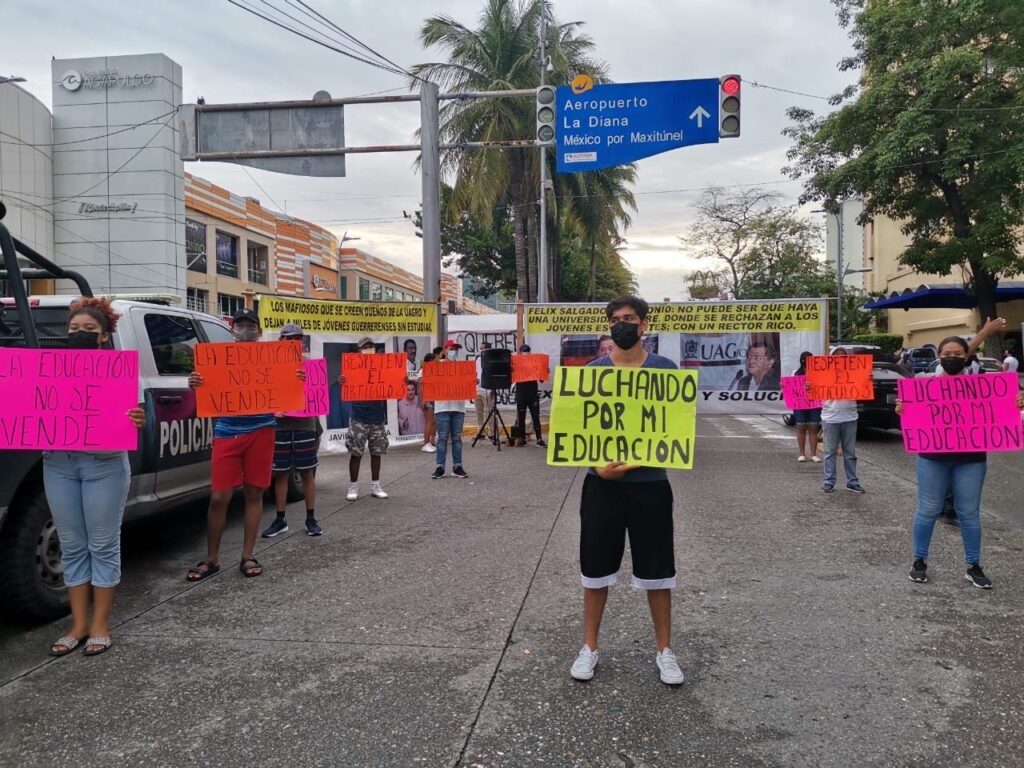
942 297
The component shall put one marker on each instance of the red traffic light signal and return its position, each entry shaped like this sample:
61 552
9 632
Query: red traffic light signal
729 106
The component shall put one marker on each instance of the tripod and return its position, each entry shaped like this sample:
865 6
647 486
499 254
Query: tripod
494 419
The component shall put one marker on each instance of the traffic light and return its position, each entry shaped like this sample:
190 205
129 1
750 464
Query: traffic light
729 106
546 115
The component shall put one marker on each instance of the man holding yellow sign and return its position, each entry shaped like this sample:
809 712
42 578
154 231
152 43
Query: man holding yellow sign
627 416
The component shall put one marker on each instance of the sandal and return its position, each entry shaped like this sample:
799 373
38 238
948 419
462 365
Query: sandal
203 570
250 570
66 644
96 645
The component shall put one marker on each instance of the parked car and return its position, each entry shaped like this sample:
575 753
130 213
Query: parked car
879 412
172 463
921 357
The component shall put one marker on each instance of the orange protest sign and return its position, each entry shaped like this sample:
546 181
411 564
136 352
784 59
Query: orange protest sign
530 368
840 377
251 377
454 380
373 377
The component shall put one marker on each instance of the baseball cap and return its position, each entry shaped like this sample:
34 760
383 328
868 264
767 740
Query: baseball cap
366 341
291 329
524 348
452 343
246 314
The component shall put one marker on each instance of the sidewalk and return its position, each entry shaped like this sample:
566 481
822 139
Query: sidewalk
436 628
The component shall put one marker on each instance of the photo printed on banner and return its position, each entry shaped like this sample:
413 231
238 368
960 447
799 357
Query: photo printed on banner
743 362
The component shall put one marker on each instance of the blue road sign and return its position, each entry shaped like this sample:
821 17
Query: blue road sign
617 123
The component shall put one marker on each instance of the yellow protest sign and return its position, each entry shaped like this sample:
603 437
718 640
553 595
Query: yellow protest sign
348 317
697 317
601 414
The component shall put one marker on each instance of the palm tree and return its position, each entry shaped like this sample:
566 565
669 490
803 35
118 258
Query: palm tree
501 53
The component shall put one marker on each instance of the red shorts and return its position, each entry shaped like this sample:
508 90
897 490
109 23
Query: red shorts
244 459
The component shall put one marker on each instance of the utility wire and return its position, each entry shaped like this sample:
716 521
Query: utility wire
908 108
329 46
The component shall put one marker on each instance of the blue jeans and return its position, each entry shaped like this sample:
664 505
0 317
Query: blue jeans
86 493
844 433
934 480
449 425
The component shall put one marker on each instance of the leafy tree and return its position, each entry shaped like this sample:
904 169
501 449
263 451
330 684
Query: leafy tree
782 258
500 53
932 135
723 230
589 272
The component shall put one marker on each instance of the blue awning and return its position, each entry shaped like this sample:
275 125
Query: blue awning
942 297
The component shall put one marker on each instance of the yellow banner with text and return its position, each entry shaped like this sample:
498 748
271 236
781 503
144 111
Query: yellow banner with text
348 317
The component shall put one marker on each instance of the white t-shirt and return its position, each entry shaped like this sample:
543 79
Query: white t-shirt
1011 363
838 411
453 406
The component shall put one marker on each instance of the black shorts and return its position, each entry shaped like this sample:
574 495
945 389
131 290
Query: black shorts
609 509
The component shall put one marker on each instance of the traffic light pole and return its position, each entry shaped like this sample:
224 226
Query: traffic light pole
542 242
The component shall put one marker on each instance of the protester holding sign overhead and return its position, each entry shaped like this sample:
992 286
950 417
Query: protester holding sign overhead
367 430
618 499
961 472
243 455
86 492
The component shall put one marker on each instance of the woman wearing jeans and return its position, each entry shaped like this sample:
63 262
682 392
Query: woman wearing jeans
449 416
86 493
961 473
807 421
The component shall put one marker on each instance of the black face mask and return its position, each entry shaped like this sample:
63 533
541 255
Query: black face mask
953 365
625 335
83 340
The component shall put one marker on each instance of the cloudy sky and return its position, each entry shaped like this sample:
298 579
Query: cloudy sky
228 55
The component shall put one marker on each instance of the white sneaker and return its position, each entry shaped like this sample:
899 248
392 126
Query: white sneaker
429 448
801 458
671 674
377 492
583 667
816 459
353 492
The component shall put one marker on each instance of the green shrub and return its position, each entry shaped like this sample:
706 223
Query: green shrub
889 342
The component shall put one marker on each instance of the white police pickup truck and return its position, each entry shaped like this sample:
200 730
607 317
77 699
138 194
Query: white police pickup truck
171 465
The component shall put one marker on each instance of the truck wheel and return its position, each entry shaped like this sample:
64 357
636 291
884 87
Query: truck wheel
30 568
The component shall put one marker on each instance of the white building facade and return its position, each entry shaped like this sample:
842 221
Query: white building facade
118 178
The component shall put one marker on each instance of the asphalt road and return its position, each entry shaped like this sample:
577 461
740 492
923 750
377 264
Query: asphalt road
436 628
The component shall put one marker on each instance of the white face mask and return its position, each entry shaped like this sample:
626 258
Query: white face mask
453 354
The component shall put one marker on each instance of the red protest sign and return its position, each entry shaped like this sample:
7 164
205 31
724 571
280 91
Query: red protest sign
68 399
449 380
373 377
249 377
840 377
530 368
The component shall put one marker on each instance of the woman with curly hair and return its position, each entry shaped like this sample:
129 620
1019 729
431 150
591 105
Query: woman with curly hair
86 492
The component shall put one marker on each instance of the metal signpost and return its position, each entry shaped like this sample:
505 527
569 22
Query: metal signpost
616 124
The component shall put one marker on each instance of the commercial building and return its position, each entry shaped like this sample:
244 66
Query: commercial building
926 308
254 250
99 186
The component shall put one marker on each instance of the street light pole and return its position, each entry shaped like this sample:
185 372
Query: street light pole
840 272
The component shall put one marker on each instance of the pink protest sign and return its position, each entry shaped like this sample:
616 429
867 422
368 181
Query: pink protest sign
953 414
316 389
794 392
68 399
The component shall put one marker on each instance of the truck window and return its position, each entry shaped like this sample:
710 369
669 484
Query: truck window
215 332
172 338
